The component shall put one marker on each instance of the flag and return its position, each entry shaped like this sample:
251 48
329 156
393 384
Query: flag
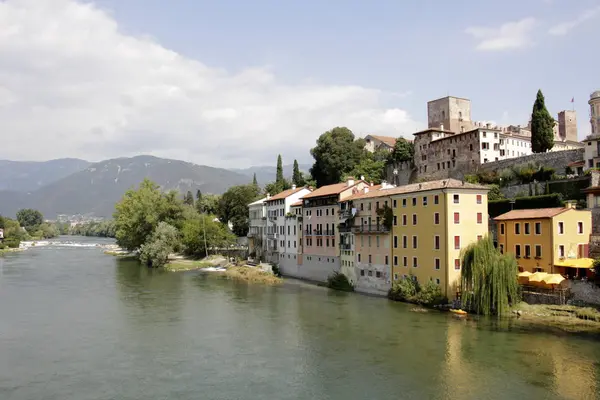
572 99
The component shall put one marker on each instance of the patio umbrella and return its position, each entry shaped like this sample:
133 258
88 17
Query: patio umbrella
523 277
537 278
553 279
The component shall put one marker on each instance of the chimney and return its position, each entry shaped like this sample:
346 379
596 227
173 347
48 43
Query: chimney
362 177
383 184
442 127
268 196
294 186
371 184
366 189
350 181
570 204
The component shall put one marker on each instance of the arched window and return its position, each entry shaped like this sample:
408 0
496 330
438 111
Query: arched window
460 115
443 114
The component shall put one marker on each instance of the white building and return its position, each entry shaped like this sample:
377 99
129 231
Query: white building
277 208
257 240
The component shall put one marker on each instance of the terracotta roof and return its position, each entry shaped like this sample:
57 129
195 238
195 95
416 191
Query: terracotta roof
530 214
432 130
330 190
389 140
285 193
418 187
258 202
296 204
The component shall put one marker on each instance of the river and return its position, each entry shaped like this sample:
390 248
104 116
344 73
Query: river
78 324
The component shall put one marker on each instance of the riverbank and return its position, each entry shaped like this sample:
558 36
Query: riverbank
9 250
567 319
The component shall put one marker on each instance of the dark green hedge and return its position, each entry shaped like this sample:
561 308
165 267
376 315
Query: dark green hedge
570 189
499 207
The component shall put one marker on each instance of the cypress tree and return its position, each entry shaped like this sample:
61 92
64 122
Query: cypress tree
254 181
297 177
542 124
279 175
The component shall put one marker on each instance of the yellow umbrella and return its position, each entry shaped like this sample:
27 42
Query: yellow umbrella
553 279
523 277
538 277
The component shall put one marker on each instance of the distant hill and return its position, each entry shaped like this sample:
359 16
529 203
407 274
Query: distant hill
98 187
27 176
266 174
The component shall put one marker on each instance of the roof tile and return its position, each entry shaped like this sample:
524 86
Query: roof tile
285 193
532 213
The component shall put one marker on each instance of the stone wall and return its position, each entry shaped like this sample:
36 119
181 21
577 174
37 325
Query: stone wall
405 173
317 269
372 284
584 291
594 249
558 160
528 189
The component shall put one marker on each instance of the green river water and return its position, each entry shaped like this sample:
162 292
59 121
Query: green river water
78 324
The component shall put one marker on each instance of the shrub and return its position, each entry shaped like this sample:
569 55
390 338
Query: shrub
596 266
12 243
431 294
339 281
276 270
404 289
2 246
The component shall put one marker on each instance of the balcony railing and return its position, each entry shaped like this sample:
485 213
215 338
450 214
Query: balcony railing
343 228
271 235
370 229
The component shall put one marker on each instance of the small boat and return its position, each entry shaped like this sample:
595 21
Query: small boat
459 312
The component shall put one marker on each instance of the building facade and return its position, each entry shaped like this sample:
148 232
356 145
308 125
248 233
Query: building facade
541 239
374 143
594 103
291 252
432 223
592 152
257 240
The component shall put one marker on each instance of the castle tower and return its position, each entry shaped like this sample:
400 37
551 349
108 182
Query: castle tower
595 112
567 125
449 113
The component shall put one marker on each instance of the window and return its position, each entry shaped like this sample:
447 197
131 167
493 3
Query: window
538 228
377 274
527 251
436 218
436 242
485 146
404 219
538 251
358 258
478 199
414 201
518 250
457 218
396 260
395 277
415 262
502 229
580 228
405 261
377 240
395 242
386 260
395 220
424 200
561 228
517 228
437 263
436 199
395 203
404 242
501 249
414 219
527 232
479 237
362 272
403 202
479 218
369 259
456 199
561 251
437 281
414 242
457 263
362 207
457 242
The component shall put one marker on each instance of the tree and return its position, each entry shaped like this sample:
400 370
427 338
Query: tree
297 177
372 170
139 212
336 154
254 181
273 188
200 233
279 174
233 207
188 199
404 150
542 124
489 278
495 193
30 219
208 204
198 195
162 242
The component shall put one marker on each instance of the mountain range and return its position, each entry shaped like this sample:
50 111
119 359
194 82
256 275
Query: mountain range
70 186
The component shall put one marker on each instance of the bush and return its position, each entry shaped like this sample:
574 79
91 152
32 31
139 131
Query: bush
431 294
276 270
498 207
596 266
2 246
12 243
339 281
404 289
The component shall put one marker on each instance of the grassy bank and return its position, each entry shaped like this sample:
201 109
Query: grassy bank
252 274
9 250
180 263
570 319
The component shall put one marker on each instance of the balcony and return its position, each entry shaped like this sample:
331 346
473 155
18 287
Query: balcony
271 236
370 229
252 234
343 228
326 232
347 214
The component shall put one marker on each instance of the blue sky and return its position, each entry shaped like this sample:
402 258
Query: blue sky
390 56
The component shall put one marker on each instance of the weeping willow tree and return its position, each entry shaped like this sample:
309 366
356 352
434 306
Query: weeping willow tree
489 279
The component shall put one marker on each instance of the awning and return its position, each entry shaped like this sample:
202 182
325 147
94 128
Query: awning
584 263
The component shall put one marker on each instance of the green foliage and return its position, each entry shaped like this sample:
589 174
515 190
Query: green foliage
279 174
155 252
336 154
254 181
30 219
140 211
297 176
596 266
45 231
200 232
571 189
404 289
542 124
277 187
188 199
276 271
430 294
387 216
12 242
96 229
371 169
208 204
495 193
498 207
233 207
339 281
489 278
403 151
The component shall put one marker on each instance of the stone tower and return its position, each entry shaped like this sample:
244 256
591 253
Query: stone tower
595 112
449 113
567 125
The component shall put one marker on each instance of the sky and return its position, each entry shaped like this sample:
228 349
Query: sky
235 83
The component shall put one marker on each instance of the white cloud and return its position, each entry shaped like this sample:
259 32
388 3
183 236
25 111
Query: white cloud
72 84
564 27
511 35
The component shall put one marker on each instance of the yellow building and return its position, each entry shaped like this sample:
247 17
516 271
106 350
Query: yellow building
433 221
543 239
